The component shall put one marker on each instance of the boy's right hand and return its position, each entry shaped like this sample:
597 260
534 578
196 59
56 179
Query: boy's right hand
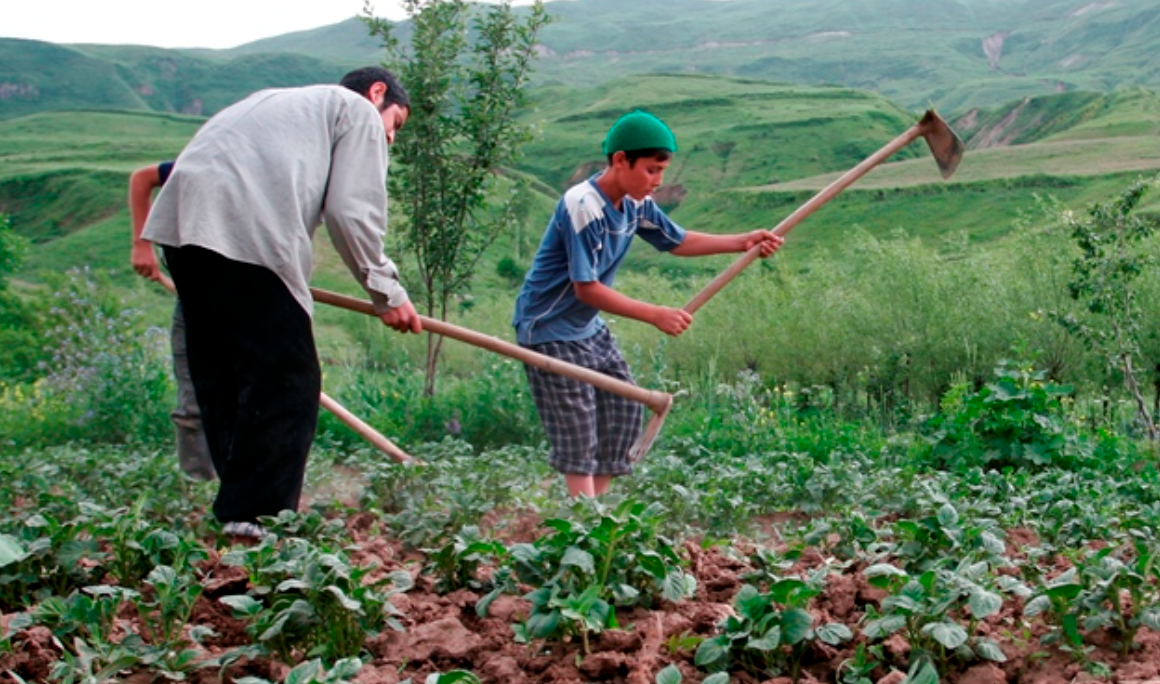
671 321
144 261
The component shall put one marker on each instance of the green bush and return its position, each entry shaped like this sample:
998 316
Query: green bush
108 378
1015 421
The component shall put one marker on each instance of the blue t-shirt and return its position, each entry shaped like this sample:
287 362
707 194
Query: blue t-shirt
586 241
163 170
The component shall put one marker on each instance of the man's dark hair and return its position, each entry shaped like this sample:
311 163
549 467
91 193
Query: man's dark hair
657 153
361 80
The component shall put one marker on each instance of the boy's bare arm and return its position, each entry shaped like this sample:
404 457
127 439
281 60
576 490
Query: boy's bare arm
142 182
666 319
703 244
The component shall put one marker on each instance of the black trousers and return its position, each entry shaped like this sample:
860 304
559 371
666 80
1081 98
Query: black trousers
256 375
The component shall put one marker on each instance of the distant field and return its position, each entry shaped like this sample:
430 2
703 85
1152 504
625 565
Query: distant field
751 151
1065 158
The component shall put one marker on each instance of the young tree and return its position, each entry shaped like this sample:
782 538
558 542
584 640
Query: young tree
466 69
1104 278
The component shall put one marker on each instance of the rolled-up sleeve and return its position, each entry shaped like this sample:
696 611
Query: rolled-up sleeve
355 210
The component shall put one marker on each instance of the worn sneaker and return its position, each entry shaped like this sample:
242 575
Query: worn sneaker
248 530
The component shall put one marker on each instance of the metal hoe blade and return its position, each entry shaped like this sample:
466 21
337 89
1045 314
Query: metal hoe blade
944 143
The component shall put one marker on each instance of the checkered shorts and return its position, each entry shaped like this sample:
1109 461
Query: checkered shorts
591 431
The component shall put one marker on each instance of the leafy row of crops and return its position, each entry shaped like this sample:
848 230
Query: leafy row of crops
1017 537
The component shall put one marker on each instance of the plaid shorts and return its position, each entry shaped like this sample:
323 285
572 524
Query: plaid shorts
591 431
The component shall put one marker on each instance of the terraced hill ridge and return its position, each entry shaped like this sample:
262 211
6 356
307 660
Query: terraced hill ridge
957 54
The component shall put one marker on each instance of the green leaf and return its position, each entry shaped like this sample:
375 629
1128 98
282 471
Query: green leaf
401 580
984 603
243 604
678 586
834 633
948 516
304 673
484 604
344 600
750 603
578 558
1150 617
1066 591
796 626
292 584
768 642
542 625
453 677
11 550
712 652
922 672
1036 606
989 650
653 564
992 544
884 570
716 678
1071 629
884 626
950 634
669 675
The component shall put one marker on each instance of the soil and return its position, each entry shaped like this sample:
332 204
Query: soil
443 632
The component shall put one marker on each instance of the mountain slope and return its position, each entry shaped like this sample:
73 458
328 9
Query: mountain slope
957 54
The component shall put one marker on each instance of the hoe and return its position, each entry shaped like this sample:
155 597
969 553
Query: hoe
342 413
944 144
658 402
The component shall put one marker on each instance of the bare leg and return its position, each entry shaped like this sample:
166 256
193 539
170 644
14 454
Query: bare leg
579 485
587 485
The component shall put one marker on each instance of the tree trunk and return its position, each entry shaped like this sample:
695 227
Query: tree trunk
1141 405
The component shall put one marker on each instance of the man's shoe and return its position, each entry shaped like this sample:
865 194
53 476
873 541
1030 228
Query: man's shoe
247 530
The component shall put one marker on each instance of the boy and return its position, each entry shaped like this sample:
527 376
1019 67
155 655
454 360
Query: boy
192 448
570 283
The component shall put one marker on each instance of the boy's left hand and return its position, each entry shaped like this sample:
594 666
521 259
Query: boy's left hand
770 242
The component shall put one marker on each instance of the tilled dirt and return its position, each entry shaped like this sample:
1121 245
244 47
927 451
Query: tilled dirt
443 632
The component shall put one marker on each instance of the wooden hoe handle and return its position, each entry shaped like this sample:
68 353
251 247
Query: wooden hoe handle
657 401
805 210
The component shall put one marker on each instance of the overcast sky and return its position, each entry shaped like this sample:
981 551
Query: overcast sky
163 23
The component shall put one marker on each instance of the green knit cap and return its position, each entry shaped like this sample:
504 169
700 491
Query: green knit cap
639 130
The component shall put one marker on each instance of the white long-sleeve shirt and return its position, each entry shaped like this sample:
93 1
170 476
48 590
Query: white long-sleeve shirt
259 177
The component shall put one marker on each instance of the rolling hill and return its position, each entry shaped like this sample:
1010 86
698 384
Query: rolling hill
750 152
957 54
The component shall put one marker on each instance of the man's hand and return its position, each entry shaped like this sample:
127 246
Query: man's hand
770 242
671 321
144 260
403 318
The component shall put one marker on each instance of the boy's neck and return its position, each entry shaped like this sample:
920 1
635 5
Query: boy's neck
610 185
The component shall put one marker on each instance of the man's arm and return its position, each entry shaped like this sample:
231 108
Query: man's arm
142 182
356 217
704 244
666 319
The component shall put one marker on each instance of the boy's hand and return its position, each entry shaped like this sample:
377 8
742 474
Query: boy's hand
770 242
144 261
403 318
671 321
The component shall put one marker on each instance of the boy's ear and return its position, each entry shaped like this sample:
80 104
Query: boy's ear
619 158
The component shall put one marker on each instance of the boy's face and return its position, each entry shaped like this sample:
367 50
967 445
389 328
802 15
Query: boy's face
642 177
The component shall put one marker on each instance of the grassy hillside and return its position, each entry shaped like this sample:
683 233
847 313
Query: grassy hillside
37 76
750 152
957 54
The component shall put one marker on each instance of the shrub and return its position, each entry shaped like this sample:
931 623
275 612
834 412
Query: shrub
107 375
1016 420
